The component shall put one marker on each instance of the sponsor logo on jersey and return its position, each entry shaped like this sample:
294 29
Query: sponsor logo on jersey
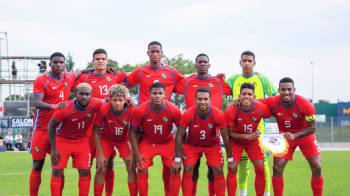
239 119
279 114
195 86
196 126
165 119
210 126
148 76
74 119
110 121
94 81
149 119
54 87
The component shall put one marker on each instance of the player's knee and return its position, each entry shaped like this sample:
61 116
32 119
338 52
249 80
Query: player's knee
277 170
83 172
217 171
38 164
210 174
57 172
142 171
188 169
110 163
316 169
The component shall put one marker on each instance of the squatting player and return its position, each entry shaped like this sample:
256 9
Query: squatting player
204 123
101 79
217 88
155 118
242 121
50 88
71 124
263 88
111 130
295 117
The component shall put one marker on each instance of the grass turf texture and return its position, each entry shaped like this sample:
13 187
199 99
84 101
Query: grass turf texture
15 168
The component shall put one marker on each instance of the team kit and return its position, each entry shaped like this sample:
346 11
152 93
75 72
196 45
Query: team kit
102 118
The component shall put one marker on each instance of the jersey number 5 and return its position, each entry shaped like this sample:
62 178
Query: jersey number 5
287 124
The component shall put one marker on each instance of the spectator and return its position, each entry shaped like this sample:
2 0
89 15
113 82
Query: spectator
8 141
19 141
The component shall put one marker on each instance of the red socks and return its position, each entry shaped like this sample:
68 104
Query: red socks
34 182
231 183
194 189
109 182
278 185
142 184
62 184
187 184
175 182
98 189
219 185
259 180
132 189
166 179
55 186
211 190
84 185
317 185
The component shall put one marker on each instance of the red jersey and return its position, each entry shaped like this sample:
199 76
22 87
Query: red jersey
53 91
203 131
292 118
156 126
217 87
101 82
73 123
145 76
243 122
115 127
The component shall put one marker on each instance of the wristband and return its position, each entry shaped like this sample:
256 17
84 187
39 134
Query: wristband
178 159
230 159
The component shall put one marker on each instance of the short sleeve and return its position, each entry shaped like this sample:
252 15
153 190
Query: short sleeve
121 77
60 114
180 86
39 87
308 110
265 110
176 115
225 88
137 116
133 78
185 119
100 115
177 75
230 116
220 120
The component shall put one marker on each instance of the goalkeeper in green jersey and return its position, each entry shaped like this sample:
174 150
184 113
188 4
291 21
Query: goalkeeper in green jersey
263 88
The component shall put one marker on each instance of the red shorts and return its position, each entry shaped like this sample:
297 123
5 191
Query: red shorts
40 144
254 151
307 144
79 149
123 148
212 153
166 150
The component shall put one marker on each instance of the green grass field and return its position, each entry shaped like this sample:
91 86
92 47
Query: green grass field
15 168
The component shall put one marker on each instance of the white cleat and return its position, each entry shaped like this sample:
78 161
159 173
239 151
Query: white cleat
243 193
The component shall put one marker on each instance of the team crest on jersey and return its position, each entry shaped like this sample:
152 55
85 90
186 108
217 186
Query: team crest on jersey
210 85
254 119
36 149
165 119
125 122
65 84
108 79
163 75
89 115
295 115
210 126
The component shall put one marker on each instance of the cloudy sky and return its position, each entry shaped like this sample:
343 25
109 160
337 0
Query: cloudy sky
285 35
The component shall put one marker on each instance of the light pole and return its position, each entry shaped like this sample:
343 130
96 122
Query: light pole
312 81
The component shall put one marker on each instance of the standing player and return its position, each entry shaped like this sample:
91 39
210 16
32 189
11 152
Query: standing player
205 123
111 130
295 117
242 122
50 88
263 88
156 71
155 118
217 88
70 124
101 80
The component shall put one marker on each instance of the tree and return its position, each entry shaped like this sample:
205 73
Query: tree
324 101
70 62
